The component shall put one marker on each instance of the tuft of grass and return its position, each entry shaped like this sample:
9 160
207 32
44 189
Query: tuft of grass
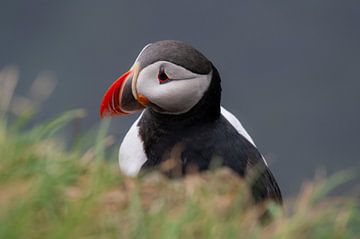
48 191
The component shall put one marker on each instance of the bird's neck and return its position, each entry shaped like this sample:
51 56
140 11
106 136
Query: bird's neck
206 110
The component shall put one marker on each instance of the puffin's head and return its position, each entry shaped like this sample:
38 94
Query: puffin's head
169 76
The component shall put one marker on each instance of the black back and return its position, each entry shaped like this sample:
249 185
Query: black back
205 137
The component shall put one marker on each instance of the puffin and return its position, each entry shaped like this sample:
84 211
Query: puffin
178 92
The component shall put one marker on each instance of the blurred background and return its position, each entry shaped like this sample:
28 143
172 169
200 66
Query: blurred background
290 69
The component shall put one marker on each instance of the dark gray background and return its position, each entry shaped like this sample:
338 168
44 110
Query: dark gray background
290 69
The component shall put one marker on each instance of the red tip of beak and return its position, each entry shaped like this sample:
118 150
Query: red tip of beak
110 104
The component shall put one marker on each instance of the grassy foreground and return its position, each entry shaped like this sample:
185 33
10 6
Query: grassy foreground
49 192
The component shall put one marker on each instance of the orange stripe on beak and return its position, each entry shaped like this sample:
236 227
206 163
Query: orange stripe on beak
111 104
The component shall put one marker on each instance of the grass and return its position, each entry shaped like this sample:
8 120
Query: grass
48 191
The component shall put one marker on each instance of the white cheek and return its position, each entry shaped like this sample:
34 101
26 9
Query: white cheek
181 95
176 96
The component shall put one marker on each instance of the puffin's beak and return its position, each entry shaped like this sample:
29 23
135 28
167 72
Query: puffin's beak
121 98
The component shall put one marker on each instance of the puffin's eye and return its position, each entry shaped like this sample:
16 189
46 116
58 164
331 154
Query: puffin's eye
162 77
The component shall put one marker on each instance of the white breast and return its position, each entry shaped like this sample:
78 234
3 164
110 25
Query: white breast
132 155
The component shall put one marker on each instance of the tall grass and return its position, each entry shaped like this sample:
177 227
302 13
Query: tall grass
48 191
